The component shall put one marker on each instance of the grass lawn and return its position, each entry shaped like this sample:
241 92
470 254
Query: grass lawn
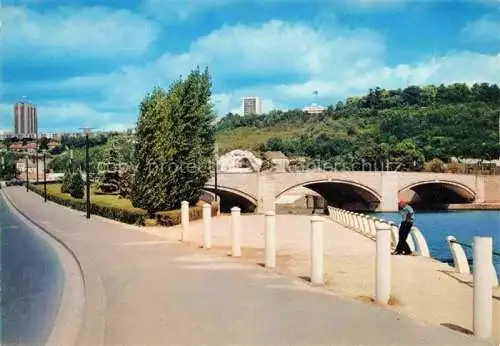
107 200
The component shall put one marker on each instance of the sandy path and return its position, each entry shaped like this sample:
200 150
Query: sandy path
422 288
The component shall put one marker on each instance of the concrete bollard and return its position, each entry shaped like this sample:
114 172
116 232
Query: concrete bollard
356 222
460 261
483 291
420 242
207 221
316 250
184 220
236 232
383 264
270 217
371 223
394 233
366 225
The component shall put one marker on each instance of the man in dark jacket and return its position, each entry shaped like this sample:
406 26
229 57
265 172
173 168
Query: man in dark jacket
407 220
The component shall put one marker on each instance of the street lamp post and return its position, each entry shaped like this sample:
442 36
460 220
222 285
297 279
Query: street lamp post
217 202
86 131
27 177
36 151
45 176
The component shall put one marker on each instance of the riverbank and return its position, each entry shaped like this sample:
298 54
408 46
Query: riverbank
157 291
475 206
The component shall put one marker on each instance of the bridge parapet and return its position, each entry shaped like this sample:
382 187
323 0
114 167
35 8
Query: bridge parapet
379 189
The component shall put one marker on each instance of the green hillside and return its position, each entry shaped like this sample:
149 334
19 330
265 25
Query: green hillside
409 126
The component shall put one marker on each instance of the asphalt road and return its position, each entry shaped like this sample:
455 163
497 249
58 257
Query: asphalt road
31 283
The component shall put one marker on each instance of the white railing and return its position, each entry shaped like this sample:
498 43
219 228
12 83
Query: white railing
367 226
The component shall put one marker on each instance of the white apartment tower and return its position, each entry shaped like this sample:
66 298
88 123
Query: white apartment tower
25 119
250 105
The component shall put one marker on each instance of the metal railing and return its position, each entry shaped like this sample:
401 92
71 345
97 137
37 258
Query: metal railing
494 252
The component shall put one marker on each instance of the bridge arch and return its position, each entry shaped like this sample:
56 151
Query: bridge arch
346 194
438 193
231 197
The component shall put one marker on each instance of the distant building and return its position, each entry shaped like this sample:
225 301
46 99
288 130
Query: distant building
314 109
25 119
251 105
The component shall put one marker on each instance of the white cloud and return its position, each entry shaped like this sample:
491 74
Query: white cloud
376 4
180 9
275 48
94 32
483 29
335 61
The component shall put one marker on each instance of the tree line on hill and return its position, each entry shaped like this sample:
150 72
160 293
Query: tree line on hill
404 126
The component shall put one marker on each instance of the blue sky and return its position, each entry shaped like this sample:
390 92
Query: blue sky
90 62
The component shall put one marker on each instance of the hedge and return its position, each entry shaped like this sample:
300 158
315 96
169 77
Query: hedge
174 217
137 217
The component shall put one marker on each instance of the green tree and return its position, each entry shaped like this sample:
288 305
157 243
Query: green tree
175 144
7 166
110 174
406 156
44 144
77 185
435 165
126 182
66 181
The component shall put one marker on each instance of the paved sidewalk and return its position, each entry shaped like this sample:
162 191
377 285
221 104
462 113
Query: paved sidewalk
423 288
141 289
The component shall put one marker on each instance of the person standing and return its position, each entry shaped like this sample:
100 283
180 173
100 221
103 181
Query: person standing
407 220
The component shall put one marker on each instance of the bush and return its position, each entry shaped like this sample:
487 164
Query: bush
435 165
76 186
66 181
454 167
128 216
174 217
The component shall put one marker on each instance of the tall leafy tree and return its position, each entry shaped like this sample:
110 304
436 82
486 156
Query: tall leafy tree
147 192
175 144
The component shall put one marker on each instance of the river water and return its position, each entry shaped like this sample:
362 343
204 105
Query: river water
30 281
463 225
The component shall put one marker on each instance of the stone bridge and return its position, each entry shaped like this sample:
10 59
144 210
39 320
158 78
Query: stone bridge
378 191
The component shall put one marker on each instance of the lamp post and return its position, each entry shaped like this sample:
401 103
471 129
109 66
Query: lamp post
44 175
27 177
86 131
36 151
217 202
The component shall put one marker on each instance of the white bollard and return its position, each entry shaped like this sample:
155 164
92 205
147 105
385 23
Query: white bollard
383 264
207 221
270 217
366 226
420 242
483 291
460 262
372 225
394 234
316 250
235 232
184 220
